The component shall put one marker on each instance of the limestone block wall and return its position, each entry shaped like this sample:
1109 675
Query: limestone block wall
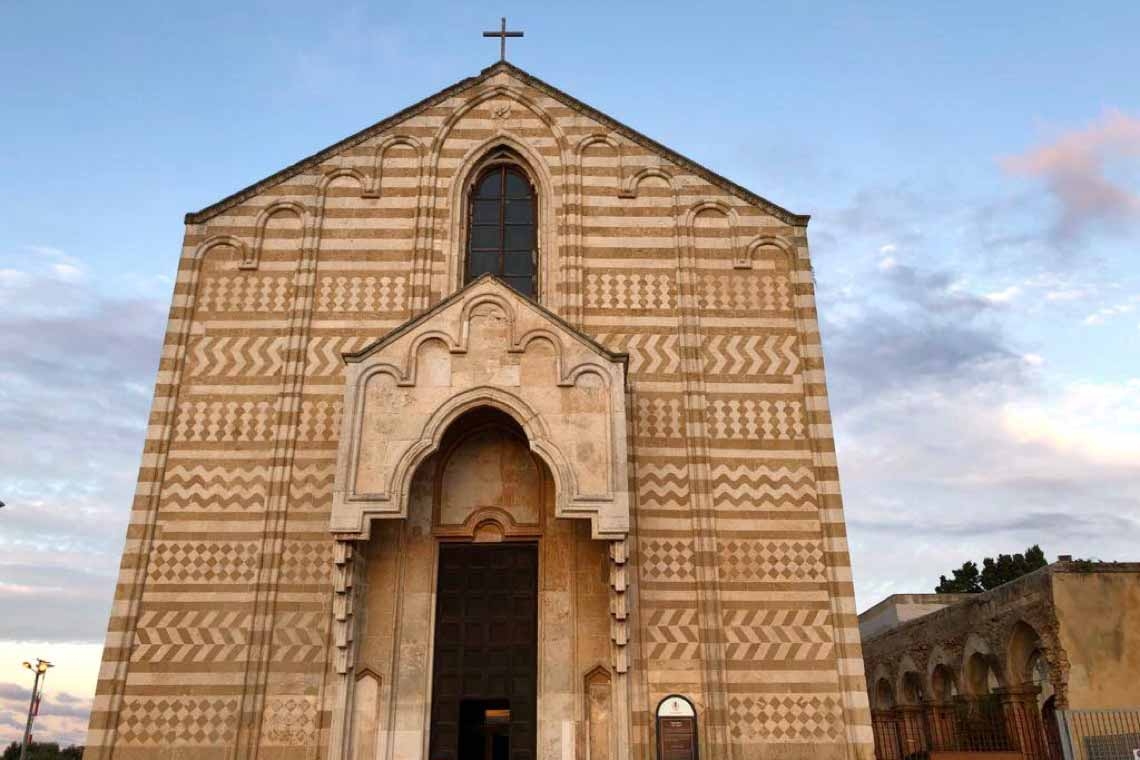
1098 612
220 643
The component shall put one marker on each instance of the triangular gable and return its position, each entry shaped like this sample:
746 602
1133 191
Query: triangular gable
556 321
197 217
486 346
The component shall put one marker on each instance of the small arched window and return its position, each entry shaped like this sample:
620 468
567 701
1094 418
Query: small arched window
501 228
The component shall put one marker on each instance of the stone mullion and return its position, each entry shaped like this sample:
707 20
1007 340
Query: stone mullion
715 733
277 504
131 583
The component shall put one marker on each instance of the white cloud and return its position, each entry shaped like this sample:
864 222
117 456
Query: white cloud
1097 421
1072 294
1003 296
14 278
1100 316
67 272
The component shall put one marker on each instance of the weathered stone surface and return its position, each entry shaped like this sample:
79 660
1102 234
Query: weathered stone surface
1065 636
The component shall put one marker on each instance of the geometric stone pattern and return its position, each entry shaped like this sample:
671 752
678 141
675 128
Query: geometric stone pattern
199 488
631 290
195 635
759 560
360 294
778 634
237 356
203 562
786 718
261 293
744 294
672 635
660 419
175 722
291 722
320 420
748 419
649 354
219 421
739 593
751 355
751 485
663 558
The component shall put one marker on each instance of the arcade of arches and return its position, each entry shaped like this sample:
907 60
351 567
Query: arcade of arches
988 672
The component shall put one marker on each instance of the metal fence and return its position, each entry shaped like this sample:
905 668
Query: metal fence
1100 734
966 725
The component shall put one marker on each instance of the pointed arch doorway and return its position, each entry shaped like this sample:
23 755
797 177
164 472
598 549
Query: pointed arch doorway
398 504
489 491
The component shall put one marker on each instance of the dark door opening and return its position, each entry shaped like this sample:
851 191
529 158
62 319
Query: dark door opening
485 729
484 675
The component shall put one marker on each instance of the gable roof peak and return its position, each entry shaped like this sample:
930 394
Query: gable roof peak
781 213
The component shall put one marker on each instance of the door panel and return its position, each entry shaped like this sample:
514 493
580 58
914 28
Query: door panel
486 650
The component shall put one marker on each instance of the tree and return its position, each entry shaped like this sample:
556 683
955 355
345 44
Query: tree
966 580
43 751
994 573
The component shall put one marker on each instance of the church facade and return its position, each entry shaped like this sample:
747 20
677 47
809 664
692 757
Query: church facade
496 430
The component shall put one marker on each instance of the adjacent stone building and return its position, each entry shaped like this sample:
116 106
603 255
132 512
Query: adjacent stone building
990 670
496 429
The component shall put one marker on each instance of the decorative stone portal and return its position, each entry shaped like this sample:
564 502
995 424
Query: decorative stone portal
474 616
484 346
477 609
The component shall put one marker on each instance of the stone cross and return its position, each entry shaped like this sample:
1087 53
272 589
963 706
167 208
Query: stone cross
502 34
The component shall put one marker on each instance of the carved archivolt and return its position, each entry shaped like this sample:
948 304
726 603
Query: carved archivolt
484 346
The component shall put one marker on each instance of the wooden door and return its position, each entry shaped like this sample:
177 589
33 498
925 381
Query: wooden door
486 648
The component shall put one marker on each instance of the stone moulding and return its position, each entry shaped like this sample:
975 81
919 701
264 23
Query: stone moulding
484 346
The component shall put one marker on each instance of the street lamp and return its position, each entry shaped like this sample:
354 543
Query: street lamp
40 669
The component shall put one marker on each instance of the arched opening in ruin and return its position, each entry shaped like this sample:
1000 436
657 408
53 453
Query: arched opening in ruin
913 692
980 678
884 695
943 684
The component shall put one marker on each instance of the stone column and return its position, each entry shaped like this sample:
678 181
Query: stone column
1023 721
941 718
975 726
911 729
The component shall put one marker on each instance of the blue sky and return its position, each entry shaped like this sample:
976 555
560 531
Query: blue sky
973 172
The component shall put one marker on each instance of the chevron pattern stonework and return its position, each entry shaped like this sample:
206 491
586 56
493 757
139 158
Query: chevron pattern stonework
233 630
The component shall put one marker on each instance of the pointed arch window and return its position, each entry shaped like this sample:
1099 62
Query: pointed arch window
501 231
